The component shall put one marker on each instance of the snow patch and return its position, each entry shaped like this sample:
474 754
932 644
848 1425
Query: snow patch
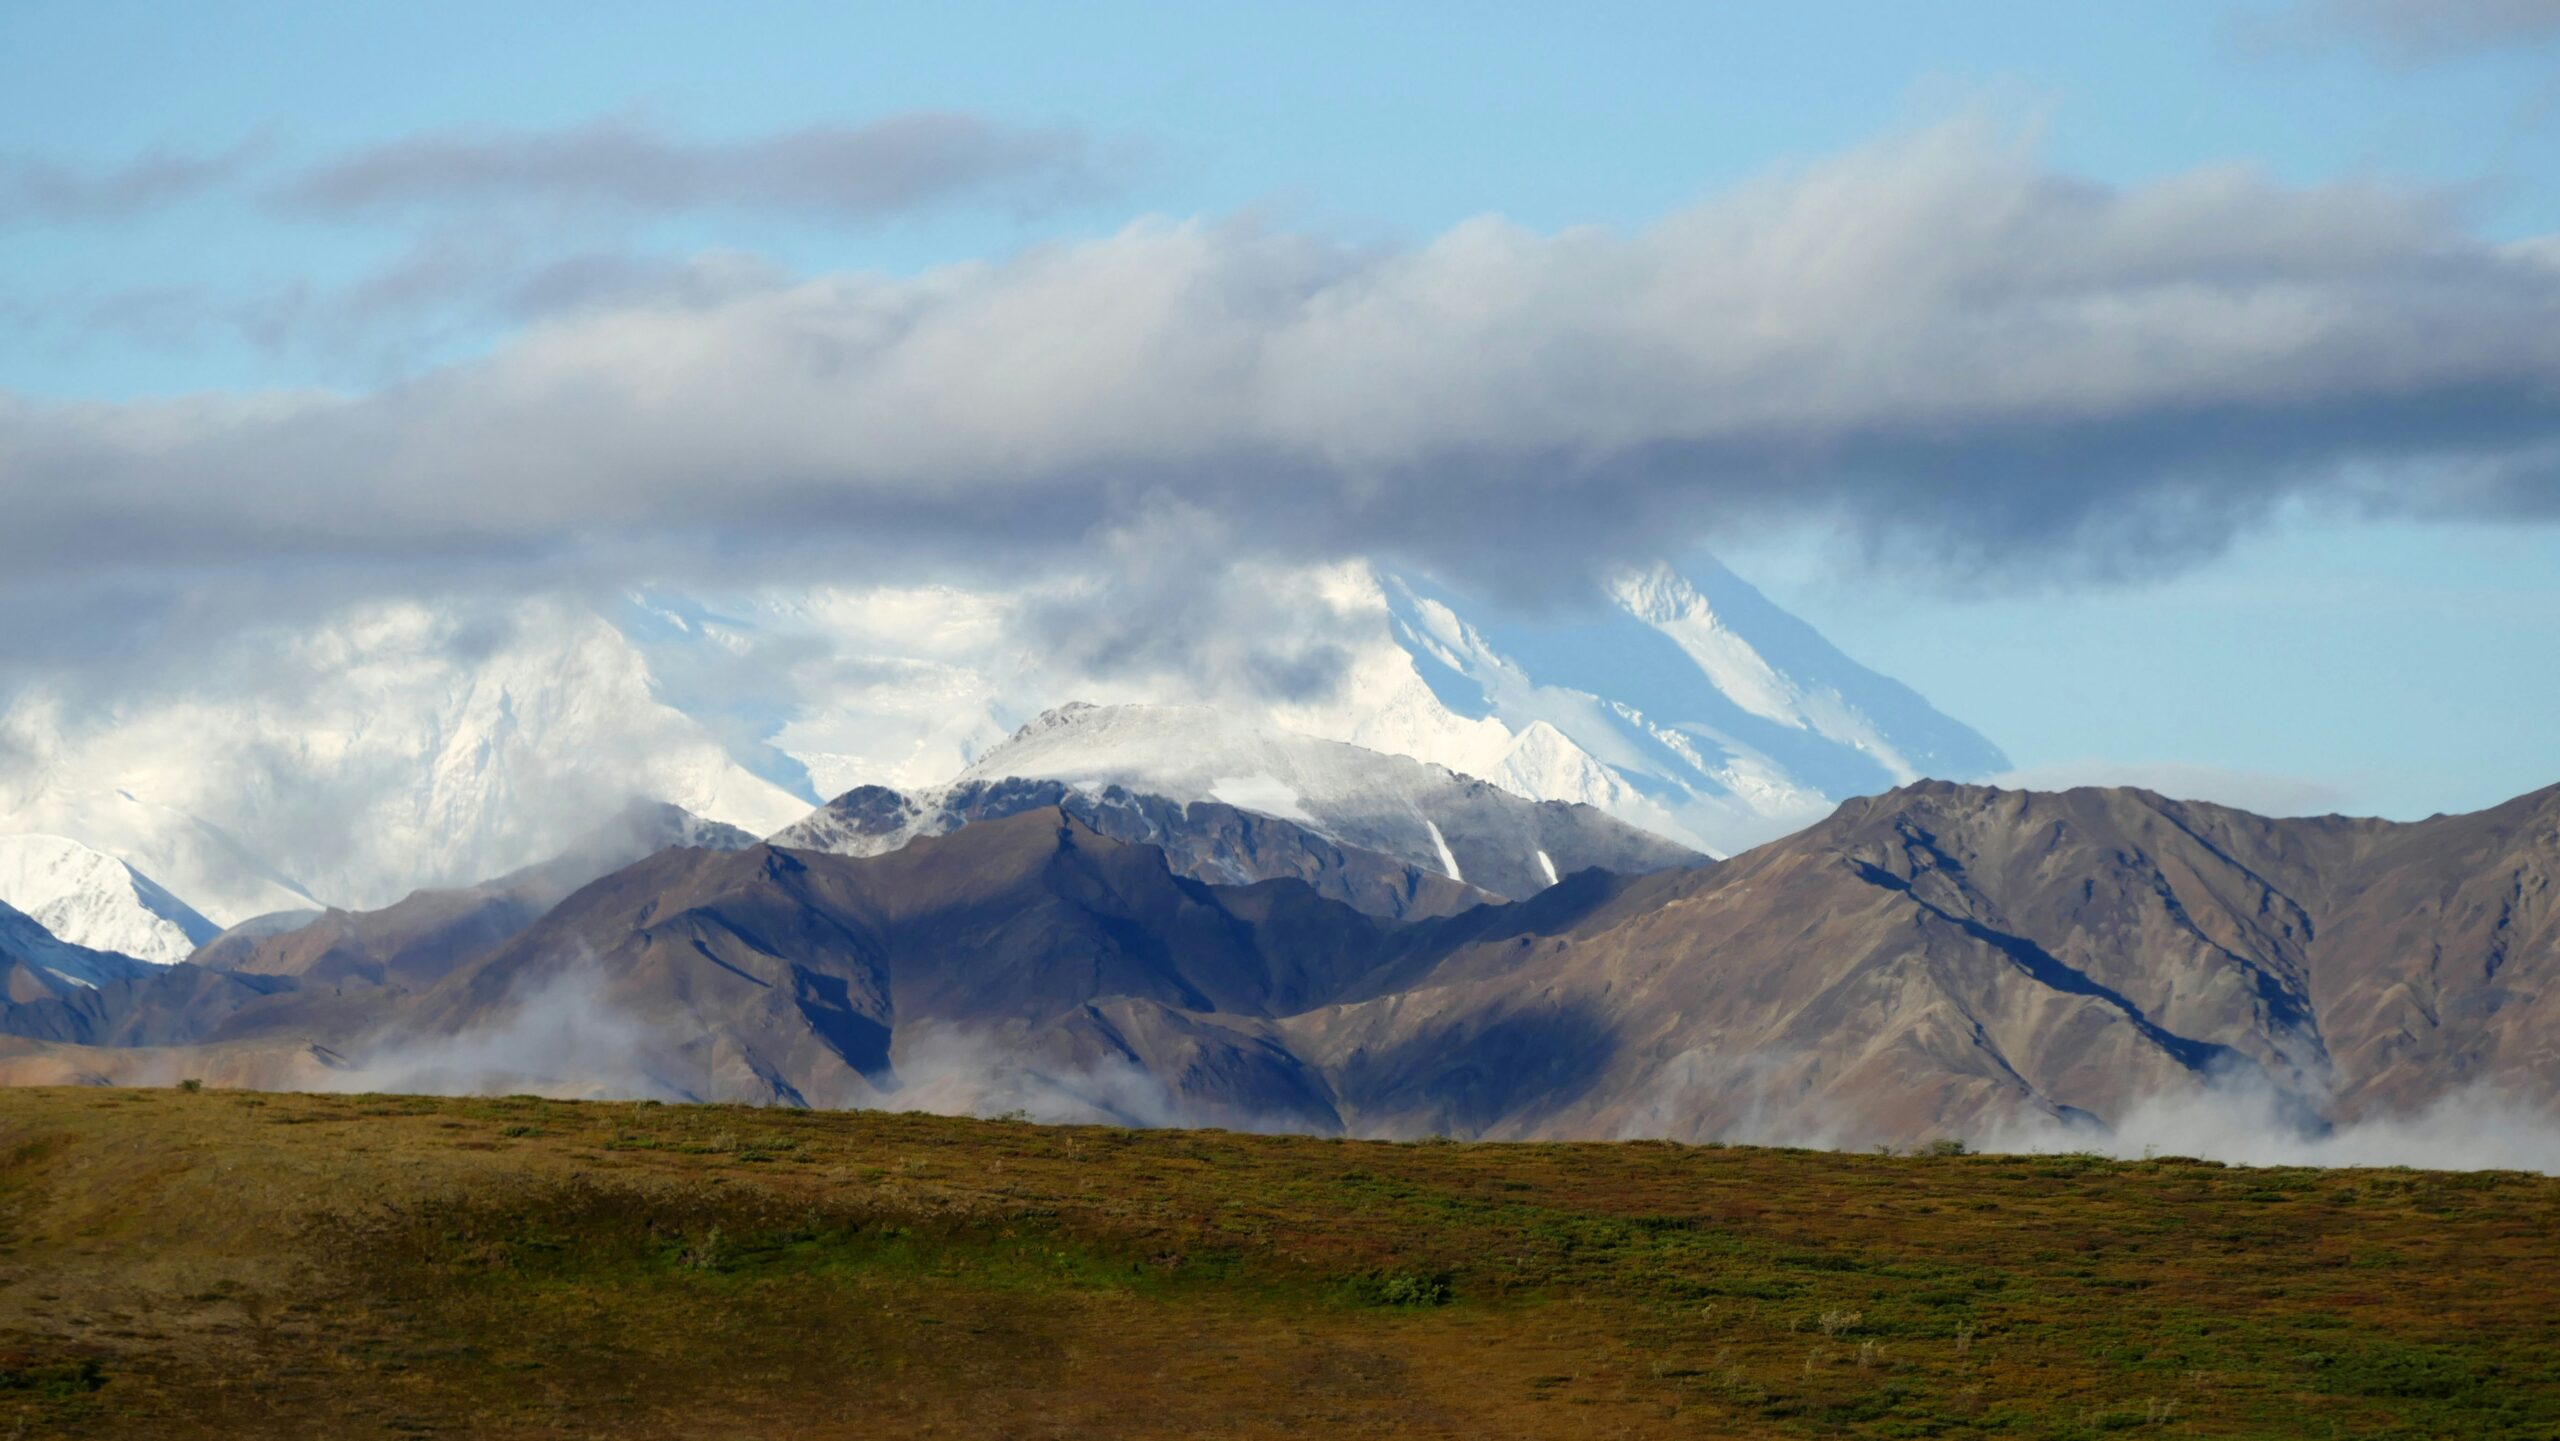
1267 794
1449 863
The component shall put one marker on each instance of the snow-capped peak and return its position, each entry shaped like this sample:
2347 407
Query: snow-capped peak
1425 814
1688 703
399 746
89 898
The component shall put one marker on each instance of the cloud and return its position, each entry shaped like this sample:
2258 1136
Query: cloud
507 227
2415 31
565 1038
1249 631
33 190
2237 1117
865 172
1969 363
2475 1129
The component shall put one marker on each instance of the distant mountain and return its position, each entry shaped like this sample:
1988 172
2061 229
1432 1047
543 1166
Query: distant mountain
92 899
1941 960
1688 697
217 876
349 764
1422 816
418 940
1683 702
1205 840
401 746
805 977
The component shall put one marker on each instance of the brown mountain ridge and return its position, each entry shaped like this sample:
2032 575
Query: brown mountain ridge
1938 960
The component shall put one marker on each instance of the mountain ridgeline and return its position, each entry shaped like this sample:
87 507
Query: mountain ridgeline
1939 960
1236 803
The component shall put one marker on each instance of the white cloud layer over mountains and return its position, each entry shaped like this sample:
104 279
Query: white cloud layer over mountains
1969 361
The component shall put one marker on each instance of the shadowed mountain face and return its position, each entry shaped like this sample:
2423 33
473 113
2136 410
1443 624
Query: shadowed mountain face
821 979
35 966
1940 960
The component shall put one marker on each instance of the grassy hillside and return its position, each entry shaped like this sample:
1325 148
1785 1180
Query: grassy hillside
176 1264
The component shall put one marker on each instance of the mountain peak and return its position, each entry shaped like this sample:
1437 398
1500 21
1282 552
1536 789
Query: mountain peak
35 963
1057 717
89 898
1683 703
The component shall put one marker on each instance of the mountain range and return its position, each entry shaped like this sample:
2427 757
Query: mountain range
1938 960
398 746
1189 780
1667 864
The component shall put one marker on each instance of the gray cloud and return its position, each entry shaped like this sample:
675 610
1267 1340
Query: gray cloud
861 172
1969 363
1245 630
508 227
33 189
2423 30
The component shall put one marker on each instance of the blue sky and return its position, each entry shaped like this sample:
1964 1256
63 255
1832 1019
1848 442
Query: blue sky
2396 665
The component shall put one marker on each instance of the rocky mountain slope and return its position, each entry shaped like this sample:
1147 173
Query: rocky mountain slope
1205 840
416 941
1953 959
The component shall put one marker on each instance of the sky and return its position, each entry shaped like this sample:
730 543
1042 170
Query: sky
2171 391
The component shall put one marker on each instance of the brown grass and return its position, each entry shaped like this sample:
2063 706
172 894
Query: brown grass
214 1263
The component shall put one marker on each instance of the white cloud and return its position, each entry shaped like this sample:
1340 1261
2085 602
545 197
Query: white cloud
1934 340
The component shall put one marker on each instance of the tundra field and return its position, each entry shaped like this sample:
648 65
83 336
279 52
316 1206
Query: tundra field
184 1263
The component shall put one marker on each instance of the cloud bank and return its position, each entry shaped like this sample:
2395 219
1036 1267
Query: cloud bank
1972 364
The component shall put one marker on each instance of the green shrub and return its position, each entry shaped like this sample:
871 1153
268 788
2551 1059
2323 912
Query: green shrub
59 1380
1403 1289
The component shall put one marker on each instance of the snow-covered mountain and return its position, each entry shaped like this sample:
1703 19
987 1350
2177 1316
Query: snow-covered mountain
90 898
1687 697
392 749
1422 815
36 964
400 746
1683 702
